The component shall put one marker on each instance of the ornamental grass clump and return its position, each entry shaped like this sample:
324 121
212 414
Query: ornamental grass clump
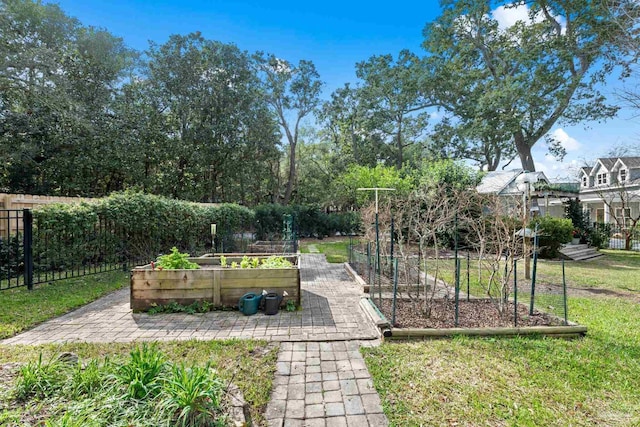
192 396
144 390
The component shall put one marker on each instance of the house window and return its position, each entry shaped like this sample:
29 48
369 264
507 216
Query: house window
623 175
623 215
584 181
604 178
599 179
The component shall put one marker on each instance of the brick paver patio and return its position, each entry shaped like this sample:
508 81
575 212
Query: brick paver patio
330 302
321 378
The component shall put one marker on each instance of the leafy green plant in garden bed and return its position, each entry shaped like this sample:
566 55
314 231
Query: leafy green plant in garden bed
273 261
175 261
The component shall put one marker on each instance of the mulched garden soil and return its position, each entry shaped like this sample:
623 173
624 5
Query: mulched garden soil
471 314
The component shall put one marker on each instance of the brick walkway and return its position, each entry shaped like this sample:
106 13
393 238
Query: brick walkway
321 377
323 384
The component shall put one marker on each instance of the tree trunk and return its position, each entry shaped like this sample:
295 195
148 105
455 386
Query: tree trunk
400 159
524 152
292 173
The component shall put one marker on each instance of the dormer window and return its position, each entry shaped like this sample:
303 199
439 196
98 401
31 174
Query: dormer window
623 175
602 178
585 181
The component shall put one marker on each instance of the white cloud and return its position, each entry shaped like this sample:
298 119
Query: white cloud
569 143
508 16
558 171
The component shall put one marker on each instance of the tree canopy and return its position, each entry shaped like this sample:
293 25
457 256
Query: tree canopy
197 119
507 86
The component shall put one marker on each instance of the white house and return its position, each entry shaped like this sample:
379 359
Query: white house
610 190
518 183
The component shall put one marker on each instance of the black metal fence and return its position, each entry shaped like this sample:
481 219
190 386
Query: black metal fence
33 252
30 254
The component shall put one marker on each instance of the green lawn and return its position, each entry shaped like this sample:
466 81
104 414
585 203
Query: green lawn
23 309
527 382
616 270
335 251
249 364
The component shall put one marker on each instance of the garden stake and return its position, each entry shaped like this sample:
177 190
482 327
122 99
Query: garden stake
457 290
392 232
468 276
395 292
369 265
564 294
377 260
515 292
535 268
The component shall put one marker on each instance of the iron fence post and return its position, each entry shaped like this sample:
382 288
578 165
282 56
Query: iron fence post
27 219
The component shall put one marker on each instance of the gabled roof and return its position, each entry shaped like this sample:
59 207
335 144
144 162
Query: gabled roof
496 181
586 170
606 162
630 162
499 182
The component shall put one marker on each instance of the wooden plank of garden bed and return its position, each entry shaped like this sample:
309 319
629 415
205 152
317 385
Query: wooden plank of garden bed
259 273
559 331
145 304
174 284
192 294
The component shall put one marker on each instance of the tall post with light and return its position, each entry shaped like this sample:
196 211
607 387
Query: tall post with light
377 189
525 187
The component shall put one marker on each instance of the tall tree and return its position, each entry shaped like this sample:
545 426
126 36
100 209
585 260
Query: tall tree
348 125
392 93
530 75
293 93
57 82
215 115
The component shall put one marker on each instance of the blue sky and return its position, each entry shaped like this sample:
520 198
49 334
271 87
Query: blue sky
334 35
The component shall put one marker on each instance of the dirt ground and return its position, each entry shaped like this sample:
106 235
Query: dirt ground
472 314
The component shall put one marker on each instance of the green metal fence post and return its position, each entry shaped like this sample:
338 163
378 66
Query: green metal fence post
377 260
564 294
369 265
457 268
395 292
468 275
535 269
515 292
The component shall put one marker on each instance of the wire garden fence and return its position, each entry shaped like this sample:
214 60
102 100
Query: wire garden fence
449 291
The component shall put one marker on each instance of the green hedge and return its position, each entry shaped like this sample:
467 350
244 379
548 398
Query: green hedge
309 221
553 233
139 226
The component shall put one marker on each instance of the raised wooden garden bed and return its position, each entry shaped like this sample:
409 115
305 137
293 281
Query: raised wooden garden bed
220 286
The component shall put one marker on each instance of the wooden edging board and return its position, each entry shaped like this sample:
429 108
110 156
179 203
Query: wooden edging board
572 330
